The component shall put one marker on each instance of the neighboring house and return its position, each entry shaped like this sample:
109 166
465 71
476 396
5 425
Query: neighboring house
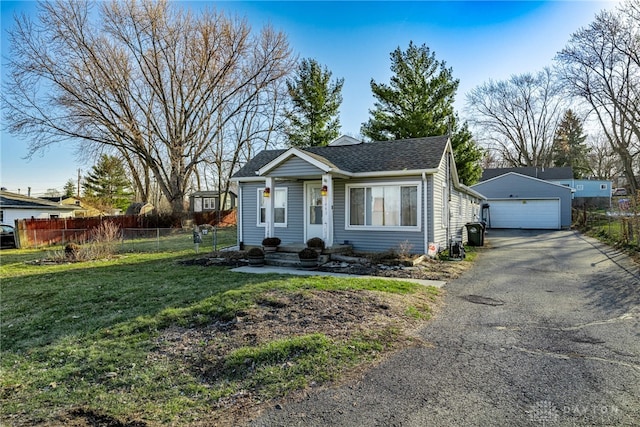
83 209
15 206
520 201
209 201
589 192
374 196
586 191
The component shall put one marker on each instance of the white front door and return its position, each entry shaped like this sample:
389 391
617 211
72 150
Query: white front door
313 210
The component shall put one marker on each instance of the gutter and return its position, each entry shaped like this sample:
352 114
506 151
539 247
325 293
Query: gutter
373 174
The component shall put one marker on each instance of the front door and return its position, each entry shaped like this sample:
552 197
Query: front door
313 210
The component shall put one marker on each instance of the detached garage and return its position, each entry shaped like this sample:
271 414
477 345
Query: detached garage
519 201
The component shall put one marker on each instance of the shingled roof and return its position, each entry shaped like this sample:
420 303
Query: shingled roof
381 156
14 200
540 173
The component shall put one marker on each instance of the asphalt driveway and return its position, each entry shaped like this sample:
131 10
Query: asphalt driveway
544 330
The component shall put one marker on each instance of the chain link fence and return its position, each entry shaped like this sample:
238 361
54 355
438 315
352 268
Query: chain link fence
619 225
144 239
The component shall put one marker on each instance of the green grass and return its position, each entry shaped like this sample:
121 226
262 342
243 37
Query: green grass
610 230
83 335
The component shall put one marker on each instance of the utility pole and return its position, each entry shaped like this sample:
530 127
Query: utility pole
79 182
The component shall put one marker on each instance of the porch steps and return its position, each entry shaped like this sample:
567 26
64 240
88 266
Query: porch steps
287 255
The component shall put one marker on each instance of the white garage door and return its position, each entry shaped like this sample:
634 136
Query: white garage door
525 213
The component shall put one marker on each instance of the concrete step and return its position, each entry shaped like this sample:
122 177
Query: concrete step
281 255
297 247
280 262
284 259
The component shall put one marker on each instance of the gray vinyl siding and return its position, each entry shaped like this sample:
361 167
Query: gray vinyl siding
292 233
296 167
374 240
464 209
514 186
439 234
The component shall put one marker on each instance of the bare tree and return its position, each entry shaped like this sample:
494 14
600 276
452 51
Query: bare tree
601 65
257 127
602 161
518 117
144 77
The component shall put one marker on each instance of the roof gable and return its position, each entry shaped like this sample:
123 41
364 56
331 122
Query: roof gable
516 179
315 160
535 172
345 140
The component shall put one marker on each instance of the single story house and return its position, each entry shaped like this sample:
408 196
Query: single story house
209 201
15 206
373 196
83 209
521 201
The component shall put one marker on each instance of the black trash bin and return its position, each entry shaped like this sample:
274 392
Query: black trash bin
475 233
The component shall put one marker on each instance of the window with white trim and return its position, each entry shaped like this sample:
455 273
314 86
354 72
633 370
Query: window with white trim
603 186
209 203
579 187
279 207
383 206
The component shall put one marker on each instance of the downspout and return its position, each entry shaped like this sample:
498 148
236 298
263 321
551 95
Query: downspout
239 216
425 222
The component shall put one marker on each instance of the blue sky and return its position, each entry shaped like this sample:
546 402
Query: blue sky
479 40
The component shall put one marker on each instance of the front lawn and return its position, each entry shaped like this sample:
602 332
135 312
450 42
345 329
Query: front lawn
148 340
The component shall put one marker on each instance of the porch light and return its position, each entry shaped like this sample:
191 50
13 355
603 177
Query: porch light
323 190
266 192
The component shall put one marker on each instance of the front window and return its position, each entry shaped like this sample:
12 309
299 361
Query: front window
383 206
279 207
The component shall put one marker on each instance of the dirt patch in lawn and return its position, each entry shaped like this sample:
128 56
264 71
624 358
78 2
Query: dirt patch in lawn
340 315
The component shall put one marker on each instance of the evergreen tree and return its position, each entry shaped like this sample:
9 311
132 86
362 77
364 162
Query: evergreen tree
107 183
69 188
569 148
313 119
418 102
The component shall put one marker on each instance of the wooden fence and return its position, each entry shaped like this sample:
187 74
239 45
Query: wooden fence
46 232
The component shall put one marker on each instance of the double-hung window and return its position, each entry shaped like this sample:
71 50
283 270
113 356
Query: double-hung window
209 203
387 206
279 207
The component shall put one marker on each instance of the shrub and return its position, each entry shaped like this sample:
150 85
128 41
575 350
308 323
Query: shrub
255 253
71 251
315 243
104 240
308 253
271 241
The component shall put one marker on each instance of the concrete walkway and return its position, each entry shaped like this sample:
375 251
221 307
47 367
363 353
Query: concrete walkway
299 272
